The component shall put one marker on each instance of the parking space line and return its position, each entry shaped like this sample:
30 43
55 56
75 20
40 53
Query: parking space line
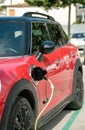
71 119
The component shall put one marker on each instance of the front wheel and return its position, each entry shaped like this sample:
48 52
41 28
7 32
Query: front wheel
21 116
78 92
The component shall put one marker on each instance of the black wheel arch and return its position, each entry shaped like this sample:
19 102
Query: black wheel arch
78 74
78 67
22 88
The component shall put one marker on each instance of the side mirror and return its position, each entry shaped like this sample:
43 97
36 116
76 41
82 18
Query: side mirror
45 48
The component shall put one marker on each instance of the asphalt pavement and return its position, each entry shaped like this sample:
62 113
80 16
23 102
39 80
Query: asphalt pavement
69 119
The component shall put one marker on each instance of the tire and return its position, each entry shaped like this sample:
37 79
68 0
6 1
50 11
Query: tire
21 116
78 92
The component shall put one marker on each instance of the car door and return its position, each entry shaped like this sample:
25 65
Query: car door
62 56
68 55
55 37
50 63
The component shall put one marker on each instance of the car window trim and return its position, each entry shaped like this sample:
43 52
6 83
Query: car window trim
43 22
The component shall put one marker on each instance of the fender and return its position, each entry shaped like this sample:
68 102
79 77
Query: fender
78 66
19 87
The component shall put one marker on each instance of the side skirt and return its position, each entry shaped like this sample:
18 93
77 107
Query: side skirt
51 114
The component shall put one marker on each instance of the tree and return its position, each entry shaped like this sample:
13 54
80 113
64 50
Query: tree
48 4
68 3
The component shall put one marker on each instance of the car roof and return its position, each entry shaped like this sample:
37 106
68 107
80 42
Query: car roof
22 18
27 17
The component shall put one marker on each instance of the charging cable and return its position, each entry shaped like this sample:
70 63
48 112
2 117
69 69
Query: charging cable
52 89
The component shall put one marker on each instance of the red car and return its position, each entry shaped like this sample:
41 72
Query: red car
40 72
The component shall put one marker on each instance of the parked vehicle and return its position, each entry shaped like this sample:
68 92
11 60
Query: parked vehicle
33 50
78 39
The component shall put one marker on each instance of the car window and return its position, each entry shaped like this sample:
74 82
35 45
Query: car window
39 34
55 34
64 35
11 38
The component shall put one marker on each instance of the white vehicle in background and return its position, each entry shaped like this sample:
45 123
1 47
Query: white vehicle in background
78 39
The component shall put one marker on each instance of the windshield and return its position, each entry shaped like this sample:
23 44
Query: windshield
78 35
11 39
